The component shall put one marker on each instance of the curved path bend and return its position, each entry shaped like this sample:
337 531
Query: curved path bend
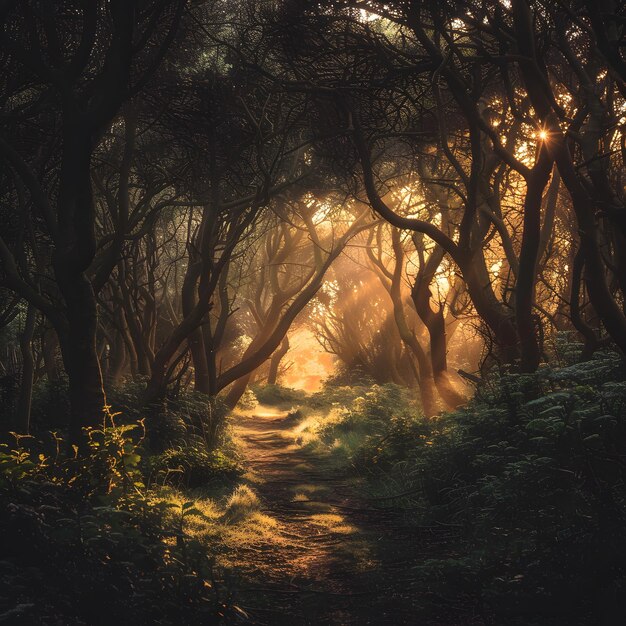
334 558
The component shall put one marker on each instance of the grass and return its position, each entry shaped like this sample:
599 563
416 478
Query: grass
242 503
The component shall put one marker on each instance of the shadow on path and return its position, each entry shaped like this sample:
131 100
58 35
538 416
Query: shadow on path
336 559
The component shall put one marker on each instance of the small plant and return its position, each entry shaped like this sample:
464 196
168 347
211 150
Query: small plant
248 401
85 524
373 428
276 395
531 473
240 505
192 466
176 420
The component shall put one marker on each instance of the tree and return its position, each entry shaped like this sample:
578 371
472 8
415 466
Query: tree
69 68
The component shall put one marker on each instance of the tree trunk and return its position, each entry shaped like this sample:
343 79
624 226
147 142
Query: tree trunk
157 385
201 377
591 340
80 357
534 74
277 357
28 370
117 359
530 348
50 343
426 386
439 361
423 371
237 389
435 323
133 325
72 257
496 316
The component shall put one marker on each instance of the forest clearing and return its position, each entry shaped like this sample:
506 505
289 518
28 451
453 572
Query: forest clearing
313 312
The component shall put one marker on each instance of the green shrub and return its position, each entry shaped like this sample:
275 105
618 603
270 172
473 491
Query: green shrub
532 474
85 541
295 416
192 466
372 429
191 418
277 395
349 376
240 505
336 396
50 400
50 404
248 401
186 417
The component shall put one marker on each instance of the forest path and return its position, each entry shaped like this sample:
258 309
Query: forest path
334 558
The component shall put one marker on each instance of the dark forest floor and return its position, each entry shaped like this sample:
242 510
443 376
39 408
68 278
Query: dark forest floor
336 557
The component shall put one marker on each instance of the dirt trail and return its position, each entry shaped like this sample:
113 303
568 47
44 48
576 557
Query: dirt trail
335 558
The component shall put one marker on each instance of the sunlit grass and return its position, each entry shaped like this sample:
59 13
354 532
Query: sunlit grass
306 431
236 521
334 522
313 434
309 488
240 505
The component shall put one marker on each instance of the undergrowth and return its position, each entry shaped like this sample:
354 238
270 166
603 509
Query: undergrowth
97 538
529 478
278 396
360 427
